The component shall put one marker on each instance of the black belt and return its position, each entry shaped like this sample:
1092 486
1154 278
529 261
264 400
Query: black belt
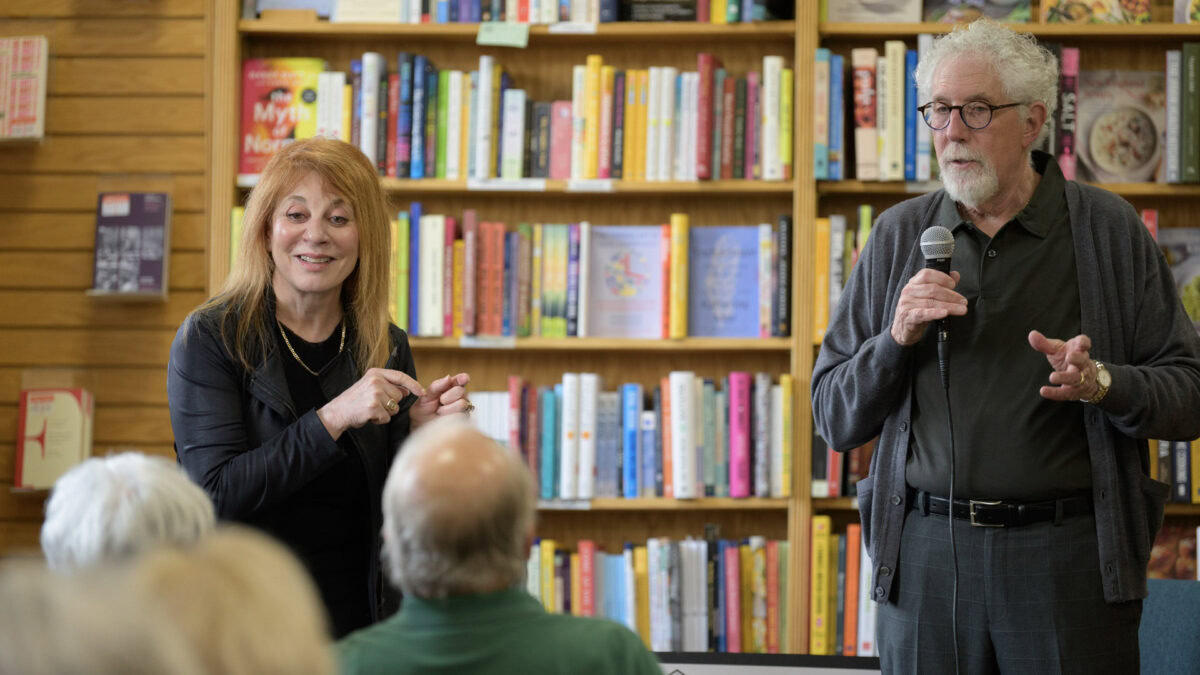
1003 514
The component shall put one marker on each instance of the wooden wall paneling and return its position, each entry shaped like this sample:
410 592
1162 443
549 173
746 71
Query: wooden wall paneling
66 9
116 385
84 347
72 309
73 269
113 37
21 192
8 454
134 115
32 231
126 76
19 538
108 154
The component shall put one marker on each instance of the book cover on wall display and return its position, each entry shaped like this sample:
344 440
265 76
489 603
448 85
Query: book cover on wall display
625 289
1121 127
54 433
132 244
1095 11
23 66
1187 11
873 11
1181 246
723 284
956 11
279 105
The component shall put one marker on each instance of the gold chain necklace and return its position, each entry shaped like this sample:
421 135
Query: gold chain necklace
296 356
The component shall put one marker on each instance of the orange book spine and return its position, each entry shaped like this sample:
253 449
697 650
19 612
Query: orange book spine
850 626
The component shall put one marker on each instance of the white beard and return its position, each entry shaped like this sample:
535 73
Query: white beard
972 186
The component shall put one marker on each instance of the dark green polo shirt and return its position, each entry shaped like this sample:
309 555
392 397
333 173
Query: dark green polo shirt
503 632
1010 442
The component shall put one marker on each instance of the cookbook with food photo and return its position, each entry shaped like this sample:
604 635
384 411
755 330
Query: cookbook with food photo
1121 128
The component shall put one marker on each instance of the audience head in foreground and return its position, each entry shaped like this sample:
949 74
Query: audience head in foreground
108 509
458 523
243 602
88 622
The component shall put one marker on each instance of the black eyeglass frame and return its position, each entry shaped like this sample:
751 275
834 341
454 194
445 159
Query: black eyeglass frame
924 110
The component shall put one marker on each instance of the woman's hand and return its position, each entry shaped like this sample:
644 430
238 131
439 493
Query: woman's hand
445 396
374 398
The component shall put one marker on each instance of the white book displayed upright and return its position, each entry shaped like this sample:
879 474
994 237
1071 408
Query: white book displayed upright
330 87
881 117
512 144
367 11
897 81
666 108
568 484
654 83
589 393
683 443
483 120
772 166
432 269
372 70
776 441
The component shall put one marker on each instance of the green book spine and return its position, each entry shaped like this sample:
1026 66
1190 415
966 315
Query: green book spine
443 120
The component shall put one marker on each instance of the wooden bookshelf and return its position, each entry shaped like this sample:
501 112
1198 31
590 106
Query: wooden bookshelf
1152 32
543 68
858 187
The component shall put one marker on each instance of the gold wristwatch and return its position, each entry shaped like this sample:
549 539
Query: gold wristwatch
1103 382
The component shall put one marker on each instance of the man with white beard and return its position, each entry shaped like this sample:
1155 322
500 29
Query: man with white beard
1008 532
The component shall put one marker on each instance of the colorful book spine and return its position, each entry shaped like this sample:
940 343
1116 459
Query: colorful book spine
924 133
549 450
787 86
863 62
414 269
1174 109
910 115
819 586
739 434
631 436
572 306
1068 106
678 296
821 280
419 105
822 109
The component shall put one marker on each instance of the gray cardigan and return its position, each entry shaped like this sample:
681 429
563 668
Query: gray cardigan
862 381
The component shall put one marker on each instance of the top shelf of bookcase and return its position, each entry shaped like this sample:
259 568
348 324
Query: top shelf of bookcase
466 32
1089 32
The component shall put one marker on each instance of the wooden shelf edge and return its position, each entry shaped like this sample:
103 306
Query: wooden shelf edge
1075 31
468 31
1183 510
650 188
835 504
698 344
859 187
663 504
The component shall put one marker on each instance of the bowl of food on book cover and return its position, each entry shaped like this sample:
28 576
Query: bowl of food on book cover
1122 144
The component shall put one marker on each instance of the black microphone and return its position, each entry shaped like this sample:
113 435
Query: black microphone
937 245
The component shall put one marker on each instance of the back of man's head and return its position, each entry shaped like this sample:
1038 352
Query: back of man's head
110 508
458 512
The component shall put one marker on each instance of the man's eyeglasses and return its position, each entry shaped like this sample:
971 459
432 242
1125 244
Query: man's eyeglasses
976 114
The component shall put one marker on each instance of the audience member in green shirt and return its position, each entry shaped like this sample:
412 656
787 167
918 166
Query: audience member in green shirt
458 517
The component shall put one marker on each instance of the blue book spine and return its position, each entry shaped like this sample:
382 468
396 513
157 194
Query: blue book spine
497 10
649 431
548 454
608 10
414 265
631 421
431 106
404 109
455 10
910 115
564 10
747 13
510 274
719 629
821 145
443 12
837 117
573 280
417 165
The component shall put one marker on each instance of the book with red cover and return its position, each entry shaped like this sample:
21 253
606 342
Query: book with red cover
448 278
54 433
279 105
560 140
706 64
470 270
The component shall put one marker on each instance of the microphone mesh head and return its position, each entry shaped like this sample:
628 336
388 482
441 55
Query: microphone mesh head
937 242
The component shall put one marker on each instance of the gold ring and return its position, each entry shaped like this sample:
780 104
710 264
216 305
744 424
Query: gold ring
469 409
1082 378
391 405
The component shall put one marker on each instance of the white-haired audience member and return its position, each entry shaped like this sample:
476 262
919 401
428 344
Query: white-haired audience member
88 622
458 517
242 602
108 509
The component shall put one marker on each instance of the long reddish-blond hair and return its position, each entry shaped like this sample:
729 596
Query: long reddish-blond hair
242 303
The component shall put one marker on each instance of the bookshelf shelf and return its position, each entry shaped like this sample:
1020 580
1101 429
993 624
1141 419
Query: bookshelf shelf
835 504
858 187
1183 509
661 504
537 344
1090 32
590 188
466 32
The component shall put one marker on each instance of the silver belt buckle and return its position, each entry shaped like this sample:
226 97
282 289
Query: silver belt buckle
986 503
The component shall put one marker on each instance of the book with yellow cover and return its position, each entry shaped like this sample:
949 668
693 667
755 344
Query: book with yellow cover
641 576
788 387
576 589
460 261
746 565
591 115
818 592
678 302
821 280
546 548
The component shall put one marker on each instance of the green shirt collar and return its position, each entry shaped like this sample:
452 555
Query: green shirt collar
505 605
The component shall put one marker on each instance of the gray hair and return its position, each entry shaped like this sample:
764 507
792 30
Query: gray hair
434 547
108 509
1028 72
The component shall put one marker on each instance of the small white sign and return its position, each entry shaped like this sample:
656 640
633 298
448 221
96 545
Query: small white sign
565 504
487 342
590 185
573 28
507 184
